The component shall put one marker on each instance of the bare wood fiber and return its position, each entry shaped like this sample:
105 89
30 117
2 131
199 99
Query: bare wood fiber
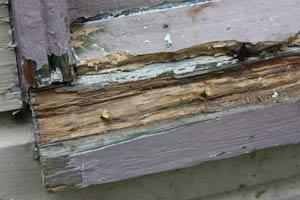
64 115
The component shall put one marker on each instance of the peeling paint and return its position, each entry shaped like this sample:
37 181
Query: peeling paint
41 33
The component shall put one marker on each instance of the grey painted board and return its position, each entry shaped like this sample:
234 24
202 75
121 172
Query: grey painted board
10 95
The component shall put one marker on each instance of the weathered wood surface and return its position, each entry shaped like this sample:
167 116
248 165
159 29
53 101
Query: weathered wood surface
10 95
145 33
42 36
220 138
117 114
82 10
166 89
64 114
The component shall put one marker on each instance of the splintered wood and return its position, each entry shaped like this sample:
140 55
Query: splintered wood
64 114
136 106
170 82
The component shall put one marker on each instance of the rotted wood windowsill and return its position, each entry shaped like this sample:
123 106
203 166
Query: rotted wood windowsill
164 89
80 123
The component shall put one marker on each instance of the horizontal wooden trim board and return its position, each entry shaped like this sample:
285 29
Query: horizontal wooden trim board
10 93
186 146
64 115
169 87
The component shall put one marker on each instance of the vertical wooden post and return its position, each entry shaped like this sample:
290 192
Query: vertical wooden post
41 30
58 34
30 36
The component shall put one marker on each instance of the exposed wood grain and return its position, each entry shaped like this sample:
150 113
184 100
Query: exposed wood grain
197 86
10 95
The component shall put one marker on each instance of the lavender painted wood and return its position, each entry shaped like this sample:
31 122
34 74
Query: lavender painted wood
45 28
41 30
30 30
229 136
187 26
57 22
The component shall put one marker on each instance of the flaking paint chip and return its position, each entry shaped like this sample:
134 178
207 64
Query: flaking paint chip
168 40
